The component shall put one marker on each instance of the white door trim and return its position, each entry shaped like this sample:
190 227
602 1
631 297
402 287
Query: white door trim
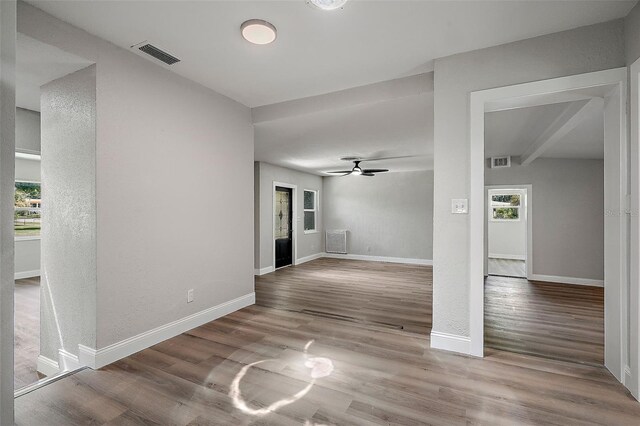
294 220
632 380
615 81
528 209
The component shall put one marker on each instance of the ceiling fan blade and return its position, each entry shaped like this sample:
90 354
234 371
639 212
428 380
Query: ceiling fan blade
367 174
398 157
342 172
375 170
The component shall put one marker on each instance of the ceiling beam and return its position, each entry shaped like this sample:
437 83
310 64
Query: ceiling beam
372 93
568 120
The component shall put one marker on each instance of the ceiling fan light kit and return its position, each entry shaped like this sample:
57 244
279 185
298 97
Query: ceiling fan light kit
327 4
358 171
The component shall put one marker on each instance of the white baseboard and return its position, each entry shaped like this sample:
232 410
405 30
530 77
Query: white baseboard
27 274
67 361
264 271
99 358
507 256
379 258
47 366
302 260
306 259
567 280
450 342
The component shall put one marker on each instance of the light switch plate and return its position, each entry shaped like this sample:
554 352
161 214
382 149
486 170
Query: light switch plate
459 206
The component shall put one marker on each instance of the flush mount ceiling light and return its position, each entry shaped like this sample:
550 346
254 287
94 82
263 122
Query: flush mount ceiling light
257 31
327 4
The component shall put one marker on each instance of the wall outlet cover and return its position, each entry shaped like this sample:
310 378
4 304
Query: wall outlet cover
459 206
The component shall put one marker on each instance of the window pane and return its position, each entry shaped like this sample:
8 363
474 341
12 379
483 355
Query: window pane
506 213
282 215
309 200
505 200
309 221
27 203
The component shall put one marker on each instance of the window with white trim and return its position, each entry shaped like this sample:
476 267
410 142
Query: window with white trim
27 209
310 210
505 206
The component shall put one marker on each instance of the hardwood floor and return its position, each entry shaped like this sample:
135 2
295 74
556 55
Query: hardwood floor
381 375
385 294
558 321
27 332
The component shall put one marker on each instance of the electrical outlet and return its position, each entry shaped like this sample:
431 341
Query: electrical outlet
190 296
459 206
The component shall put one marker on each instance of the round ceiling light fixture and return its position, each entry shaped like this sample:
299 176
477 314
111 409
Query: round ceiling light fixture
258 31
327 4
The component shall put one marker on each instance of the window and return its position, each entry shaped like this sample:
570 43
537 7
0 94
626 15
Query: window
310 210
27 208
505 206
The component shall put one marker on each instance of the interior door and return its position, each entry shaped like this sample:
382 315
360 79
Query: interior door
283 226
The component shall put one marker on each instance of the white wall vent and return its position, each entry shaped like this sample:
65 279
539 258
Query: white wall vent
156 52
500 162
336 241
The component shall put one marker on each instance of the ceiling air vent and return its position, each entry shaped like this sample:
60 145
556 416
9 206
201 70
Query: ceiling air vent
500 162
157 53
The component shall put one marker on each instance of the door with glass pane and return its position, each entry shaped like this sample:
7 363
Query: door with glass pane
283 231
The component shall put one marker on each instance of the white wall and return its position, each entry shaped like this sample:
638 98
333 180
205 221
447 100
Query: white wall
632 35
508 239
27 131
632 39
174 170
568 214
7 164
571 52
27 250
307 244
389 215
68 283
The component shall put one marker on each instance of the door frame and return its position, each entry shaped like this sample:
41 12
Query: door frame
614 81
528 209
632 380
294 221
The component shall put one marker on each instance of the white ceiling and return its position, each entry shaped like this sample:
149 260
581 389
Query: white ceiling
37 64
320 52
391 119
511 132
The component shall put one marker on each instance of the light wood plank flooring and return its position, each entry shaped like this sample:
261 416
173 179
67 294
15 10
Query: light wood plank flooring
382 375
27 332
559 321
385 294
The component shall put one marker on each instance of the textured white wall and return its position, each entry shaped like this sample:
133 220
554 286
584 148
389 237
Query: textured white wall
389 215
508 237
174 165
576 51
27 130
68 281
308 244
175 197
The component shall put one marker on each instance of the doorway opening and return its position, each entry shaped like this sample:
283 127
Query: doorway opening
576 97
507 232
45 308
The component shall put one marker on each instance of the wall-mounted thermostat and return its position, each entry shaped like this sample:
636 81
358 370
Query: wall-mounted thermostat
459 206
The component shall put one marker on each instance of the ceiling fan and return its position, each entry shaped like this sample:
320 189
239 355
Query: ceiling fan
358 171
